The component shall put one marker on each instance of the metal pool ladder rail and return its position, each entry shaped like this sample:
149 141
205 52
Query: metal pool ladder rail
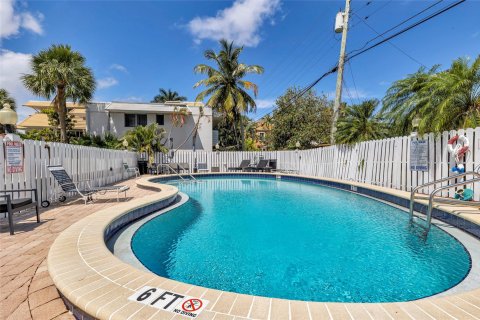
431 196
166 165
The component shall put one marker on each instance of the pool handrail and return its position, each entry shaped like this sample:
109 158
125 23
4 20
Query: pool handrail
432 195
460 175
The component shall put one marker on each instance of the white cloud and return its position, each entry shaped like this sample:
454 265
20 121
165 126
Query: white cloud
265 103
106 82
12 66
32 23
118 67
240 22
12 21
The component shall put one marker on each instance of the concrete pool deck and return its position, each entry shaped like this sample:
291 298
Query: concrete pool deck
98 283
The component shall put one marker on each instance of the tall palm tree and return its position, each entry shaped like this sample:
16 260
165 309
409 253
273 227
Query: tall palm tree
5 97
60 72
168 95
225 85
360 124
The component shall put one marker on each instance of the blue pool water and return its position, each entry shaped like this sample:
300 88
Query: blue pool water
297 241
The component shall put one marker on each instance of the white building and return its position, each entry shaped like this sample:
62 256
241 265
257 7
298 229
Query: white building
118 117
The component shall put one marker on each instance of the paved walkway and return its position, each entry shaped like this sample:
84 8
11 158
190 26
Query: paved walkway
26 290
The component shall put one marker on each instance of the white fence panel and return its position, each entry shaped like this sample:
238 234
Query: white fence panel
101 166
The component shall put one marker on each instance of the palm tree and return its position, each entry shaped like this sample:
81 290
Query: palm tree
360 124
168 95
405 98
225 85
5 97
60 72
443 100
453 98
146 139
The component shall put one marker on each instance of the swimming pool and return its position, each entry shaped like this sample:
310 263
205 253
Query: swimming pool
299 241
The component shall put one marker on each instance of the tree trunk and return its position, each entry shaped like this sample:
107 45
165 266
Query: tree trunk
242 132
61 105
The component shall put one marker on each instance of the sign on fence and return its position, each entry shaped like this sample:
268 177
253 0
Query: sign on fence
14 156
419 155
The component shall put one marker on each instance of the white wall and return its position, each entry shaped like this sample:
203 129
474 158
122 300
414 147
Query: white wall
101 121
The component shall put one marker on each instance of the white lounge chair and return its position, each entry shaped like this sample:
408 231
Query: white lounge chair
131 169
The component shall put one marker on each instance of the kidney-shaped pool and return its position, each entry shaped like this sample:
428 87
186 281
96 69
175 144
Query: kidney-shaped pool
299 241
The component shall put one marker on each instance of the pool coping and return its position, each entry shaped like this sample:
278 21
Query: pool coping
96 284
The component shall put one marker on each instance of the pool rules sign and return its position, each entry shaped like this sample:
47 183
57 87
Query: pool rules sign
419 155
169 301
14 156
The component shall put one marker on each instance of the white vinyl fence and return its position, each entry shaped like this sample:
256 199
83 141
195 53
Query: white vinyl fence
100 166
381 162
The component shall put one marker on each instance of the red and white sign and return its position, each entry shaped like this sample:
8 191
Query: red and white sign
14 156
169 301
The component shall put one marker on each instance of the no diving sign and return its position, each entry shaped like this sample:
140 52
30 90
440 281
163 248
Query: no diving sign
169 301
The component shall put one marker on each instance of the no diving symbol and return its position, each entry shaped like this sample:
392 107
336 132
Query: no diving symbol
192 305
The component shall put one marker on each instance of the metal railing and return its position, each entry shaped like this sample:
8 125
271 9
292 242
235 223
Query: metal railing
414 190
166 165
448 201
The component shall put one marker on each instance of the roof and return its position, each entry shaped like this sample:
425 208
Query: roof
40 121
152 107
40 105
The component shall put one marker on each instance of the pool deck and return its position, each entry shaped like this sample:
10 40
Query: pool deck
26 288
98 282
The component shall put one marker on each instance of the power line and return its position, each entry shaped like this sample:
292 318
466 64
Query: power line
393 45
353 80
350 57
401 23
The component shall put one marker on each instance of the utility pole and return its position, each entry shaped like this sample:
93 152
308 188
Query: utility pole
341 61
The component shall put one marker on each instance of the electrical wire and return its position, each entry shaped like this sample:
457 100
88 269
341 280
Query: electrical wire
353 80
401 23
394 45
350 56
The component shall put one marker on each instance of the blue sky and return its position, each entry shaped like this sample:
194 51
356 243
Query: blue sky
136 47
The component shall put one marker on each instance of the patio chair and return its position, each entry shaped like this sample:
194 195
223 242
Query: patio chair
262 165
131 169
243 165
183 166
11 206
68 186
202 167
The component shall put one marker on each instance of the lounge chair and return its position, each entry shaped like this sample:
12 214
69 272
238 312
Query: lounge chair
262 165
11 206
131 169
202 167
243 165
68 186
183 166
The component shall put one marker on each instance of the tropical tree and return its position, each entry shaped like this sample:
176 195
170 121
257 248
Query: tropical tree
168 95
60 73
306 119
453 98
443 100
5 97
146 139
360 123
225 86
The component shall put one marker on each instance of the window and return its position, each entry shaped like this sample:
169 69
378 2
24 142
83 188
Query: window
141 119
130 120
160 119
261 136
